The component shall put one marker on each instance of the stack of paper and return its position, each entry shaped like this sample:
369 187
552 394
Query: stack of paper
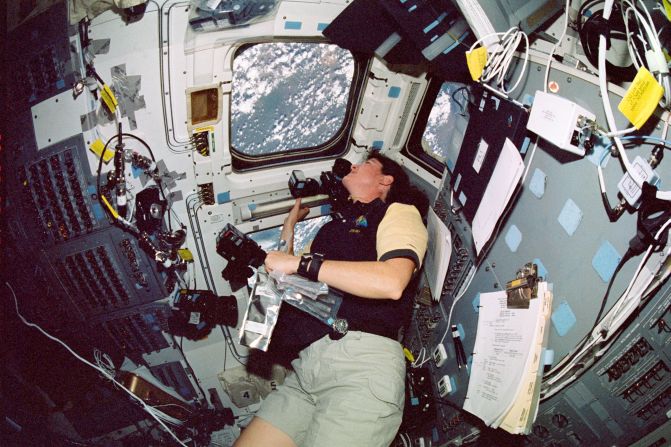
504 386
438 254
504 180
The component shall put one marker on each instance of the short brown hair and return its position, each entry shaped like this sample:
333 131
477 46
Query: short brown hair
401 190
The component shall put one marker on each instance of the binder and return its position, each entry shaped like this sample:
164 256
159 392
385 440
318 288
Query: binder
492 121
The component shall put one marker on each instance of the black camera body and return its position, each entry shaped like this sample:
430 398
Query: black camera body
198 311
329 183
241 252
149 209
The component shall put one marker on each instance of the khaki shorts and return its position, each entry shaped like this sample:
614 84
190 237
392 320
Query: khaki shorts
348 392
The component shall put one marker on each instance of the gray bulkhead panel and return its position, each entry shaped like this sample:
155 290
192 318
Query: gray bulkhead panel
557 221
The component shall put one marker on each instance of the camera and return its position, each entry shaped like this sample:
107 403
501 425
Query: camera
196 312
149 209
241 252
329 183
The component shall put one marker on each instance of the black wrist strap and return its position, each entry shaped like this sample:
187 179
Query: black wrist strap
303 266
309 266
315 265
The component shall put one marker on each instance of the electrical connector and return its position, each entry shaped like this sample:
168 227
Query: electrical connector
628 187
561 122
444 386
439 355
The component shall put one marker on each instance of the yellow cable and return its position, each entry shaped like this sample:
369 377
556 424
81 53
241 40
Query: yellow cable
109 207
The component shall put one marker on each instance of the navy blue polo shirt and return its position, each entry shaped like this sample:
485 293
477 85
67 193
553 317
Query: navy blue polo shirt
373 231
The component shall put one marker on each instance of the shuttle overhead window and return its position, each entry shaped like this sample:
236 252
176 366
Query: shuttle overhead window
289 97
442 126
439 129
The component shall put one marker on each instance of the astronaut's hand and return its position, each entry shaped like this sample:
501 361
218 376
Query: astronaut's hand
282 262
297 213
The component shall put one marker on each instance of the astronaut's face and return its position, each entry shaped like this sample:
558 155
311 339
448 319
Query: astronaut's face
366 182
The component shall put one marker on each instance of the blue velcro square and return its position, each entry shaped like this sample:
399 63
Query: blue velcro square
457 183
570 217
450 164
394 92
525 145
454 384
60 84
605 261
224 197
377 145
322 26
513 238
435 23
548 356
542 271
98 212
563 318
476 303
537 183
462 198
293 25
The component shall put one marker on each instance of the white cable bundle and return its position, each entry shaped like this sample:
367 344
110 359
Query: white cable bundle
623 308
105 363
610 118
105 366
653 59
500 55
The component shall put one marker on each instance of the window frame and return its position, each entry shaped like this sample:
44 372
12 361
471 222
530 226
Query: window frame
335 147
413 148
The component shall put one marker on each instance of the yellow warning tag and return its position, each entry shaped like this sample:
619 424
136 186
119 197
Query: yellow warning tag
185 254
667 8
476 60
97 147
641 98
408 355
204 129
108 98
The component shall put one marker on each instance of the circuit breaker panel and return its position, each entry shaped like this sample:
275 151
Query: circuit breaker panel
78 274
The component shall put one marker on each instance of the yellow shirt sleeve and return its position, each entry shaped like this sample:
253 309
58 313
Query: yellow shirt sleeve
402 234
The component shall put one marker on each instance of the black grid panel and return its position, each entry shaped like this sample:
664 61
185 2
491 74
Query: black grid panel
134 331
